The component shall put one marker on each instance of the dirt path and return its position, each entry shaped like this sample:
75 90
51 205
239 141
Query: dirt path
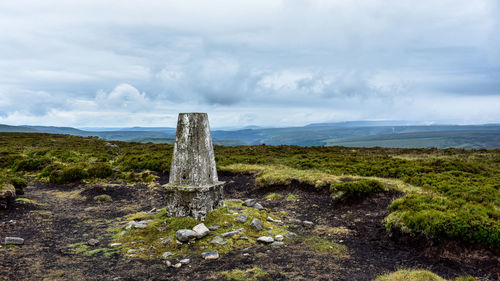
69 215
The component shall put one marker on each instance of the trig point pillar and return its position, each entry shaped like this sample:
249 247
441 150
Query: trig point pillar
193 189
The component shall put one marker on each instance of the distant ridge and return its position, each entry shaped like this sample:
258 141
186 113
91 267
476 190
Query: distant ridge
352 133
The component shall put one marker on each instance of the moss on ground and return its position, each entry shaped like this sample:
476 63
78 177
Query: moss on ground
417 275
147 242
250 274
324 245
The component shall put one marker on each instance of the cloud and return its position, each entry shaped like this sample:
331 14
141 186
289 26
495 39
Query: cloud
286 62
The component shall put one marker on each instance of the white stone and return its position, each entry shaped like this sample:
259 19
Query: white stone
201 230
265 239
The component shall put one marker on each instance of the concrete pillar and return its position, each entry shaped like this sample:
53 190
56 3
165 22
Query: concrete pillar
193 188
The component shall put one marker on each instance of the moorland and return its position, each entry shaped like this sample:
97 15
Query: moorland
375 213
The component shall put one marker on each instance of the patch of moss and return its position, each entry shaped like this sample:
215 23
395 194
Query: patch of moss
250 274
325 246
355 189
19 184
146 242
273 196
292 197
103 198
417 275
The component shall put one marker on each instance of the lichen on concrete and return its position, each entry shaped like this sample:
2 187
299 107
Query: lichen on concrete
194 188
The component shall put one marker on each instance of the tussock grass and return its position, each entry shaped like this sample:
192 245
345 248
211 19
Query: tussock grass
416 275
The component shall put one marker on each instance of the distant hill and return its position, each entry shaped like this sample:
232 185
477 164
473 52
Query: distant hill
355 133
439 139
16 129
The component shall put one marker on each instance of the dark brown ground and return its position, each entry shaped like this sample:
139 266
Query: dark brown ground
67 219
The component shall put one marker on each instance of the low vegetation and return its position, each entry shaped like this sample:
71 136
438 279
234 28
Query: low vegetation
250 274
450 193
417 275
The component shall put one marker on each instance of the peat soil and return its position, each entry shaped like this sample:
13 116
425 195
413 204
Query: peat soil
68 214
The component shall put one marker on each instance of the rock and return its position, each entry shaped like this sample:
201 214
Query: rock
14 241
7 192
177 265
256 224
168 263
185 235
243 238
218 240
278 237
295 221
131 251
214 227
211 255
250 202
138 224
277 244
242 218
185 261
165 240
115 244
290 235
232 232
308 223
201 230
93 242
265 239
258 206
162 228
88 209
273 220
166 255
235 200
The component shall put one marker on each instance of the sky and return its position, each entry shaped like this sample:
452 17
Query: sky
260 62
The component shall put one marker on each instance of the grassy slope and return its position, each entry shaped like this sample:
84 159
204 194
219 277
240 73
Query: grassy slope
452 193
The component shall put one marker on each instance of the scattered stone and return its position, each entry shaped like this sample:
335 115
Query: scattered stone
201 230
165 240
185 235
242 218
177 265
168 263
211 255
308 223
93 242
218 240
14 241
88 209
166 255
185 261
162 228
273 220
214 227
243 238
295 221
246 254
256 224
290 235
115 244
277 244
246 249
278 237
138 224
131 251
265 239
250 202
232 232
112 145
258 206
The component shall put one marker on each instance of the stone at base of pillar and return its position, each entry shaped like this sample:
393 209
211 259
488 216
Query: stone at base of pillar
193 201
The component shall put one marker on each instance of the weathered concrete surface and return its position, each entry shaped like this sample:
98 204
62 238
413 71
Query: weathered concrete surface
193 161
194 188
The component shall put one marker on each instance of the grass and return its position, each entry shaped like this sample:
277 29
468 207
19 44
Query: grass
273 196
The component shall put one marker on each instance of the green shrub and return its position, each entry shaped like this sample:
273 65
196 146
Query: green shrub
19 184
103 198
68 175
47 171
100 170
355 189
29 165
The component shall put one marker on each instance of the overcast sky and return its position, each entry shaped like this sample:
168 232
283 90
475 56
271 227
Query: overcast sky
97 63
